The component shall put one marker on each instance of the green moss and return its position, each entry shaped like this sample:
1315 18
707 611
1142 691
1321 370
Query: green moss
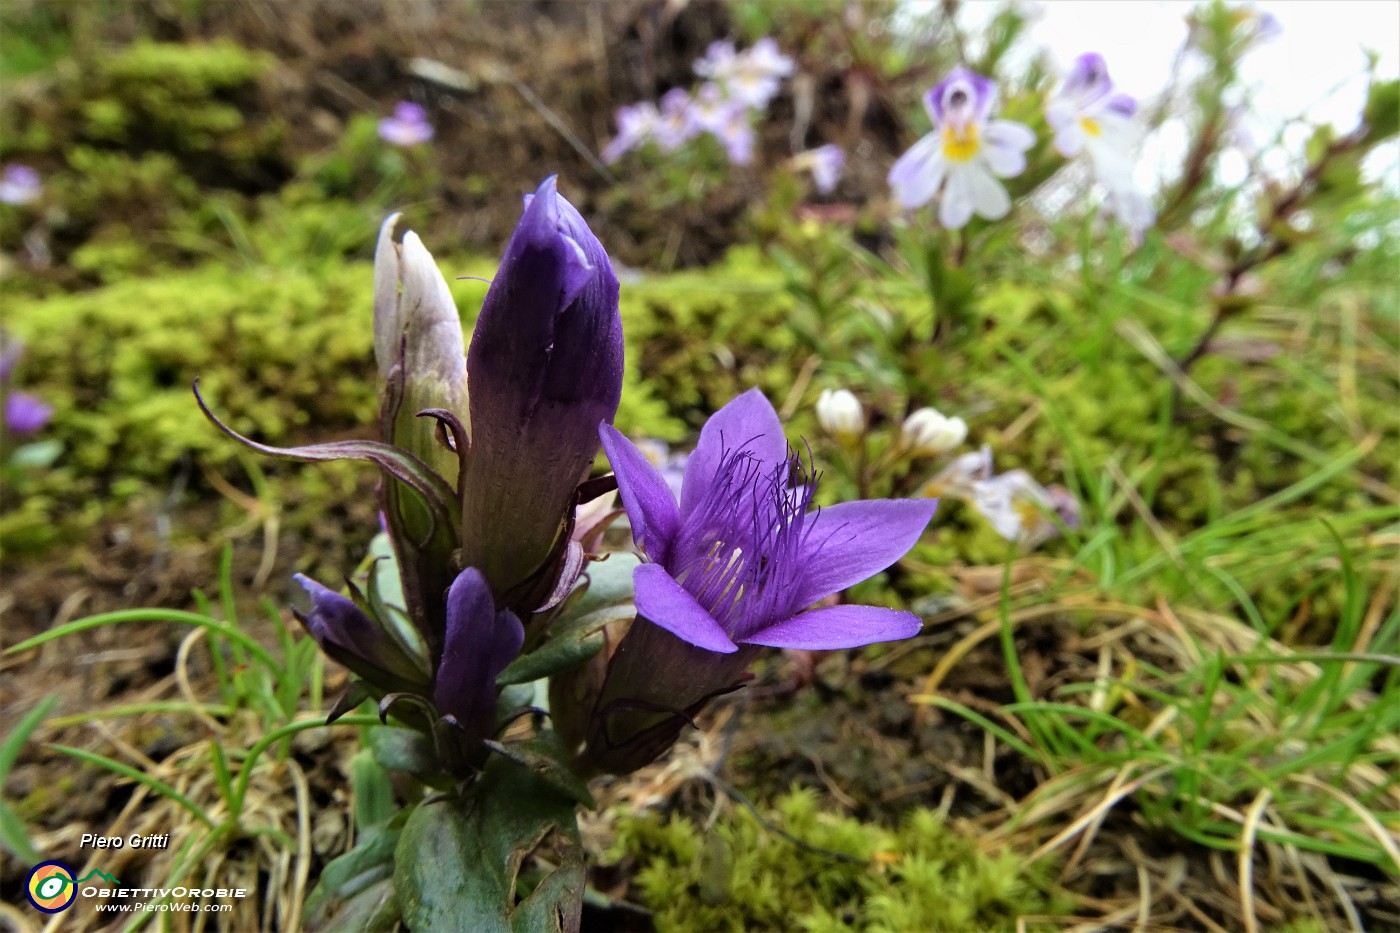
738 875
132 144
282 355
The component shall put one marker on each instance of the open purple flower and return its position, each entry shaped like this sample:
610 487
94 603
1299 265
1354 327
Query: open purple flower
740 557
408 126
1090 116
731 567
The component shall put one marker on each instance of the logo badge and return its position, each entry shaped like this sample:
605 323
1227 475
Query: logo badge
51 887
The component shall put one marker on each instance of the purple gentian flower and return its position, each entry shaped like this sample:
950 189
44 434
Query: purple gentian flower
25 413
19 184
964 155
544 369
740 557
730 567
408 126
637 125
1090 116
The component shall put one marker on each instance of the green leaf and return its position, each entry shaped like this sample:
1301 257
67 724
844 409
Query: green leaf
14 836
371 790
576 632
1382 113
580 640
406 750
355 890
458 861
546 759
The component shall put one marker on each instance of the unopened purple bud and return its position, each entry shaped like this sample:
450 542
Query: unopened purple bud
544 370
479 643
346 634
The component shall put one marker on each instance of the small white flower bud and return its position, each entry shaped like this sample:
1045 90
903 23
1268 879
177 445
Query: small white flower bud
928 433
840 415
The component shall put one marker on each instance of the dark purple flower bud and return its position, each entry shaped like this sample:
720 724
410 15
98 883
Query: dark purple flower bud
25 413
544 369
349 636
735 565
479 643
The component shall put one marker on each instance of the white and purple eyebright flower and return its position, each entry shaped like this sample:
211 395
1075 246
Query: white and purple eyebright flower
675 128
964 155
752 77
1091 117
825 164
738 137
740 557
408 126
1019 508
637 125
19 184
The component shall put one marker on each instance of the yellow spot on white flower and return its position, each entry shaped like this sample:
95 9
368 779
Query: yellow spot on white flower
1091 127
960 145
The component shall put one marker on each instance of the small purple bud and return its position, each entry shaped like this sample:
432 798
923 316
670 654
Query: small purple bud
349 636
544 369
479 643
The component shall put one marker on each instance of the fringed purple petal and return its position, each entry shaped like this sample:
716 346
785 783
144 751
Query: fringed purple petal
748 422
